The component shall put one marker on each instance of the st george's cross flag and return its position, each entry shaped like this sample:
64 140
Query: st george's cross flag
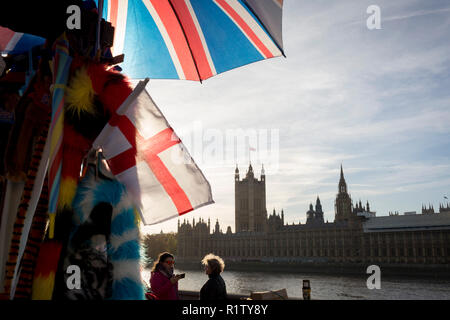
145 154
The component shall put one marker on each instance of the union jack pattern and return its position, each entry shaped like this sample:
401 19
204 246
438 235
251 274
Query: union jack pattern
16 42
190 39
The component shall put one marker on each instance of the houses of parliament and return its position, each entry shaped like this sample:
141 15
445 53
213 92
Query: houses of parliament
355 236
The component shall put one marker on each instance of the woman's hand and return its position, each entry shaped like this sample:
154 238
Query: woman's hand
175 279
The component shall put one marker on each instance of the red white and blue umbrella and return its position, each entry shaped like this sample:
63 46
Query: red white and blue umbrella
193 39
15 42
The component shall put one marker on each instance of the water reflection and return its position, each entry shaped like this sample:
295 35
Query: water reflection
322 286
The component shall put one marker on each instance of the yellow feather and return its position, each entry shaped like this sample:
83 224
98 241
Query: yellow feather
51 225
67 192
43 287
79 95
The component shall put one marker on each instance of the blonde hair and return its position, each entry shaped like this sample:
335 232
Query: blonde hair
215 263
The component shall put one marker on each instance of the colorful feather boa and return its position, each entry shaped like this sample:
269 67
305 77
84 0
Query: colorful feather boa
123 249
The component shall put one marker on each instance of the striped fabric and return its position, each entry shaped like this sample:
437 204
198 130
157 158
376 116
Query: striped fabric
23 210
28 261
13 193
193 39
15 42
61 66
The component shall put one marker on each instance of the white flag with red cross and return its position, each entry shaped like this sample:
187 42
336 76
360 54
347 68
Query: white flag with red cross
145 154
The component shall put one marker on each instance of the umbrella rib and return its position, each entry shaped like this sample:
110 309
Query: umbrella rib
187 40
262 24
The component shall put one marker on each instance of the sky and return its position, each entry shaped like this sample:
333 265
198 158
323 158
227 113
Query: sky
376 101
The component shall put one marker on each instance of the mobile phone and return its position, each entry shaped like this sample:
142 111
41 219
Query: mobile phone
182 275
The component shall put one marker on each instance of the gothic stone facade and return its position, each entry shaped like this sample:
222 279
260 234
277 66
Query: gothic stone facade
356 235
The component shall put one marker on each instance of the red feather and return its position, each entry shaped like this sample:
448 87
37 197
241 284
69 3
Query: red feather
48 258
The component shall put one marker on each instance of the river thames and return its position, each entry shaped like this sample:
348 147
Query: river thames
323 286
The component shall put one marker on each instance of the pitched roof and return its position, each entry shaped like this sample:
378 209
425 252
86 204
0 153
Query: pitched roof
434 221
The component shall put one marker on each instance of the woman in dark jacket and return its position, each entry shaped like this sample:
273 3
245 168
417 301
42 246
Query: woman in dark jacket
214 288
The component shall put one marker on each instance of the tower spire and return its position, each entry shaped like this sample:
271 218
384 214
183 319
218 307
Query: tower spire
250 171
342 183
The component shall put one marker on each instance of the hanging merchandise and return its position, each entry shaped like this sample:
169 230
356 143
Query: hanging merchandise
12 195
104 240
60 68
22 159
9 97
44 275
31 114
92 95
28 152
85 95
86 112
28 262
22 212
16 42
47 261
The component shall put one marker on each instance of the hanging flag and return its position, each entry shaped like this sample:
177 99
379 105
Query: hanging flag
145 154
15 42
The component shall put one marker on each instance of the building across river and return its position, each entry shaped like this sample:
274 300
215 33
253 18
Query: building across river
355 236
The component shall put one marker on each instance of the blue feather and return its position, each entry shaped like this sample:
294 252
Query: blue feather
127 289
123 222
113 192
126 251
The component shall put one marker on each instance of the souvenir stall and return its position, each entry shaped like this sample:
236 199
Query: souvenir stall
61 206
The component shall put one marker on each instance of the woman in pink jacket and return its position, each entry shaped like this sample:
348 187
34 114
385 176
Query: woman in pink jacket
163 282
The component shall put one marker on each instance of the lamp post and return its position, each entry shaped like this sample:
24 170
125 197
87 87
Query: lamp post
306 290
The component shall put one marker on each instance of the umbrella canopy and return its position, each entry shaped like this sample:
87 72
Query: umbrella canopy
193 39
15 42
